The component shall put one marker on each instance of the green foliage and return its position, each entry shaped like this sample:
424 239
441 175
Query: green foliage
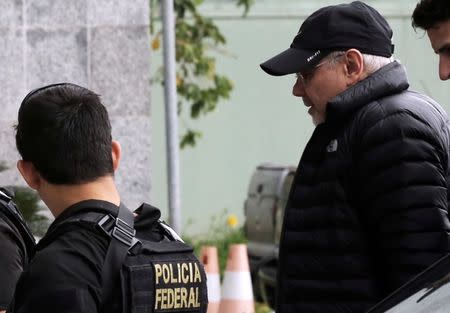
3 166
199 86
246 4
221 235
262 308
190 138
27 201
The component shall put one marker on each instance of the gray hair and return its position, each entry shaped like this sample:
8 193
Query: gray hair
372 63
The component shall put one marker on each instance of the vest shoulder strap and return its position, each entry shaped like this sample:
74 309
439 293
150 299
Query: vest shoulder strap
123 241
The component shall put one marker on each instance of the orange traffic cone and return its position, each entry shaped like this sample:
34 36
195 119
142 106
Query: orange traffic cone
237 293
211 263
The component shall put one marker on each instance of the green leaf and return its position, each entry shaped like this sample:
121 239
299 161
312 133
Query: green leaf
189 139
196 108
199 87
27 201
246 4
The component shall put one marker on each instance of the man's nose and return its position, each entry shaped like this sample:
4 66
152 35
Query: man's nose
444 67
299 89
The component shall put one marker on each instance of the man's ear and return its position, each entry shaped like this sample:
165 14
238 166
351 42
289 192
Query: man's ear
354 66
116 153
29 173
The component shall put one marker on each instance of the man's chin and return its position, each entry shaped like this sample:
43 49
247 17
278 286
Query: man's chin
317 120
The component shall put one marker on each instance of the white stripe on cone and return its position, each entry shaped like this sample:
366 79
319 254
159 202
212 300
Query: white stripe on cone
209 259
213 284
237 286
237 294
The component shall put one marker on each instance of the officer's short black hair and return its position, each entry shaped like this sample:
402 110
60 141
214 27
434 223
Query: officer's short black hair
428 13
65 132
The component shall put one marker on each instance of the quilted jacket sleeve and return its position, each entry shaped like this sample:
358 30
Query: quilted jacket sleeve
403 169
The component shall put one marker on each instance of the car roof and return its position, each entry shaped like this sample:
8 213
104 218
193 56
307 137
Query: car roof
428 292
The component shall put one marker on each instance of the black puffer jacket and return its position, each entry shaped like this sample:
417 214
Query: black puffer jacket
369 204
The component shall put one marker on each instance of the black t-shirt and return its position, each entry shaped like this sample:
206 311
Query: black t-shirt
65 274
11 262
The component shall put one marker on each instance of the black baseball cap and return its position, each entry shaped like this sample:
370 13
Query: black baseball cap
337 27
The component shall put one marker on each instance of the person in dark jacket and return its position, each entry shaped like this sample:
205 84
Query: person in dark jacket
434 17
64 138
12 262
16 246
368 207
68 156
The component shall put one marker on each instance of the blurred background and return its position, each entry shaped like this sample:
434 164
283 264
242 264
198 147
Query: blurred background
233 116
261 121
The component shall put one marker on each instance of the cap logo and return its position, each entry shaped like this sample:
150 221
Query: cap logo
315 55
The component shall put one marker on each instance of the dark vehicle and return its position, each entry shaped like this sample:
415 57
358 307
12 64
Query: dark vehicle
429 292
264 207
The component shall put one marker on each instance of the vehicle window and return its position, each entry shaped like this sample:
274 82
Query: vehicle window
428 292
433 300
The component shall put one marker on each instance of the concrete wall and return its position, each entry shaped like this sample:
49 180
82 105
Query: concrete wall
100 44
263 122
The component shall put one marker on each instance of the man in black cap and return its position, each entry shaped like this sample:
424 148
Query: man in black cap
434 17
368 207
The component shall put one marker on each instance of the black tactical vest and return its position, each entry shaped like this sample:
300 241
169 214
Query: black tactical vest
163 276
168 278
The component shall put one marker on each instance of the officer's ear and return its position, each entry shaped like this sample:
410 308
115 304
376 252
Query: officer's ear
29 173
115 152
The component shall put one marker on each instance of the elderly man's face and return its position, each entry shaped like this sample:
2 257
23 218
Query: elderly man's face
319 86
440 42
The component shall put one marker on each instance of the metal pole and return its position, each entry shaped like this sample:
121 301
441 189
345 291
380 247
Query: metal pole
170 94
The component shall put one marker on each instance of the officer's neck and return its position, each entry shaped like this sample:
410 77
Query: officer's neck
60 197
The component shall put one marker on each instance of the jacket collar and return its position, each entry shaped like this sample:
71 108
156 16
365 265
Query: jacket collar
83 207
388 80
147 216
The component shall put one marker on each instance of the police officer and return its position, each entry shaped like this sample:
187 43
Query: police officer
11 262
68 157
16 247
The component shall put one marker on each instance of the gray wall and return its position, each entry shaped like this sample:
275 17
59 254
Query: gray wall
100 44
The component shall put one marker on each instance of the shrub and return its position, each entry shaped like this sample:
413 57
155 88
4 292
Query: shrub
223 231
31 207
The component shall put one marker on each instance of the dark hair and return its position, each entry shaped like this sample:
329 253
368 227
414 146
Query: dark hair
64 131
428 13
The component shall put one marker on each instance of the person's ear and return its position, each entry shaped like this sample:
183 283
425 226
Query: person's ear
29 174
116 153
354 66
